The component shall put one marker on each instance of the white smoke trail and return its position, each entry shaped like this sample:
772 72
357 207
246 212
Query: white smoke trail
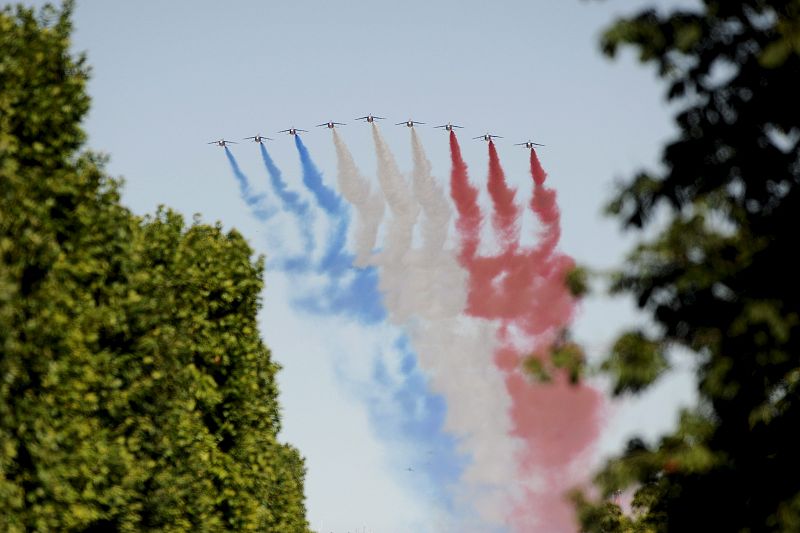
368 203
398 197
426 290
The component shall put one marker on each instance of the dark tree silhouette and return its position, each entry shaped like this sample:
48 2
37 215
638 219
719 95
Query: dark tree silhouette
720 278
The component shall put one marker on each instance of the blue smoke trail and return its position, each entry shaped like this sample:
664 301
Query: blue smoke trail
349 291
328 200
257 202
440 464
334 261
405 411
295 205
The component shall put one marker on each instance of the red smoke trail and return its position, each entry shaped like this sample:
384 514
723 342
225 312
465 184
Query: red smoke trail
525 290
506 213
465 197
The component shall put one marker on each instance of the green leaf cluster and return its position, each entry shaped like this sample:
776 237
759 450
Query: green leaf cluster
135 391
719 277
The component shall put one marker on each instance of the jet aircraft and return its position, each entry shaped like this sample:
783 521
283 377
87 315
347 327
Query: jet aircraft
529 144
330 125
488 137
370 118
222 142
408 123
292 131
448 126
258 138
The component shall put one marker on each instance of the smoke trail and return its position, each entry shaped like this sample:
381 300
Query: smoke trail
560 433
544 205
401 406
431 198
525 289
506 213
344 290
425 290
257 202
312 178
293 203
399 403
334 261
398 197
434 286
369 204
465 197
407 415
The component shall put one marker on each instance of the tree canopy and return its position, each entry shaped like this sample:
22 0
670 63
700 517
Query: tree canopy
135 391
719 277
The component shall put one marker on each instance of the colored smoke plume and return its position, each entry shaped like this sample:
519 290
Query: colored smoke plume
257 202
525 290
368 203
425 289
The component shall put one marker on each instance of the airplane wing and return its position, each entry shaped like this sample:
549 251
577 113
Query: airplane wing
339 123
380 117
479 137
301 130
284 131
520 144
441 126
213 142
318 125
454 126
231 142
361 118
417 122
253 137
399 123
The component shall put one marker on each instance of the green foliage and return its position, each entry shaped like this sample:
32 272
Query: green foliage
605 518
564 356
578 281
135 392
718 278
635 362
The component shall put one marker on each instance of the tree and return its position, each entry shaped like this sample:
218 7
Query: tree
135 391
718 278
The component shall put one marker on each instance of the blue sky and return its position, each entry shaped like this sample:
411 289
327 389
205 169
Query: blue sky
169 77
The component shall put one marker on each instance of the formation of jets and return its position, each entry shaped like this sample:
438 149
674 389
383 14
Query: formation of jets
372 118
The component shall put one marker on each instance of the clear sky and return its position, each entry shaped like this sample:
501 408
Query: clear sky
168 77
